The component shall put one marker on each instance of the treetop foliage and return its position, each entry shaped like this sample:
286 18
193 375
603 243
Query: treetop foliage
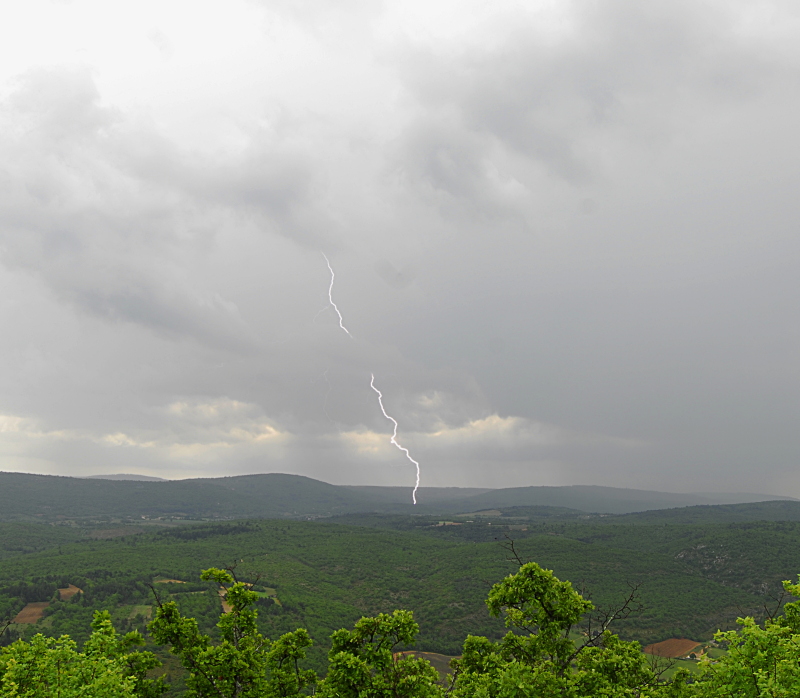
108 667
549 650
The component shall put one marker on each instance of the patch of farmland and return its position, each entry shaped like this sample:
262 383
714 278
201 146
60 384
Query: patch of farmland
141 610
269 593
440 662
674 647
69 592
32 612
169 581
185 593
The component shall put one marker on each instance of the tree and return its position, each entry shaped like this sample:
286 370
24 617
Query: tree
244 664
542 655
105 669
539 657
363 662
761 661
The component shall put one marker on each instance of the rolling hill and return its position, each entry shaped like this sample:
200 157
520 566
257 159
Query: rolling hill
592 498
25 497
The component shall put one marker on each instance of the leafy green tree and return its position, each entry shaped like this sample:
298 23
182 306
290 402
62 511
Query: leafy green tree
761 662
538 657
363 662
53 666
244 664
106 643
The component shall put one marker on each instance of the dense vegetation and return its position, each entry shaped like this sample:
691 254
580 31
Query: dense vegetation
695 578
538 656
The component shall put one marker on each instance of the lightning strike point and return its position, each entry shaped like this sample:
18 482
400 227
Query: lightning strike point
330 296
394 435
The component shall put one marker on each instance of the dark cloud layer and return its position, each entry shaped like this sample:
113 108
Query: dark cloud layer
564 242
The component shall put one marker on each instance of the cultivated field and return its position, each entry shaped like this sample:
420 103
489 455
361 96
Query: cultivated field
69 592
32 612
674 647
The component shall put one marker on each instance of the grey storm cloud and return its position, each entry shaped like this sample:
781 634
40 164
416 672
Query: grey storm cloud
105 210
564 241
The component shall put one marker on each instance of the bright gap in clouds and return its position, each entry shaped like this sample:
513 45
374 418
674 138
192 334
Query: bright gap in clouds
206 73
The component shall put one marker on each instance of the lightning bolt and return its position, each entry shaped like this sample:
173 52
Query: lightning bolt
371 383
330 297
394 435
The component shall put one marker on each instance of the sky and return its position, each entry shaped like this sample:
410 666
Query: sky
564 236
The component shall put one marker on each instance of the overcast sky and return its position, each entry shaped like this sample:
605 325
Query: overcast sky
565 238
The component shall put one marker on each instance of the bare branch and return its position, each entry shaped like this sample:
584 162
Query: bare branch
5 626
660 665
601 619
232 569
155 594
779 600
509 547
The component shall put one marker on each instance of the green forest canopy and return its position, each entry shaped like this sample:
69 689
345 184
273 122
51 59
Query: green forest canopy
539 654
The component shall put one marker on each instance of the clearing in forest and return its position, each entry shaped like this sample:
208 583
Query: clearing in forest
32 612
69 592
143 610
674 647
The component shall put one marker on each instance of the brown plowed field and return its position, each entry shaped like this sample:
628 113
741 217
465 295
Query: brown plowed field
69 592
674 647
32 612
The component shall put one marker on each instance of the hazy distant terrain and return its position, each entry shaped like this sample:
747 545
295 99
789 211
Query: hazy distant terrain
425 495
611 500
126 476
25 497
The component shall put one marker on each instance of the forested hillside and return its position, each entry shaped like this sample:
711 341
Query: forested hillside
25 497
324 575
558 643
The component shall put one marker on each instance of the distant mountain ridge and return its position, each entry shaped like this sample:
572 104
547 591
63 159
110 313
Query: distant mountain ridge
606 500
276 495
127 476
429 495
